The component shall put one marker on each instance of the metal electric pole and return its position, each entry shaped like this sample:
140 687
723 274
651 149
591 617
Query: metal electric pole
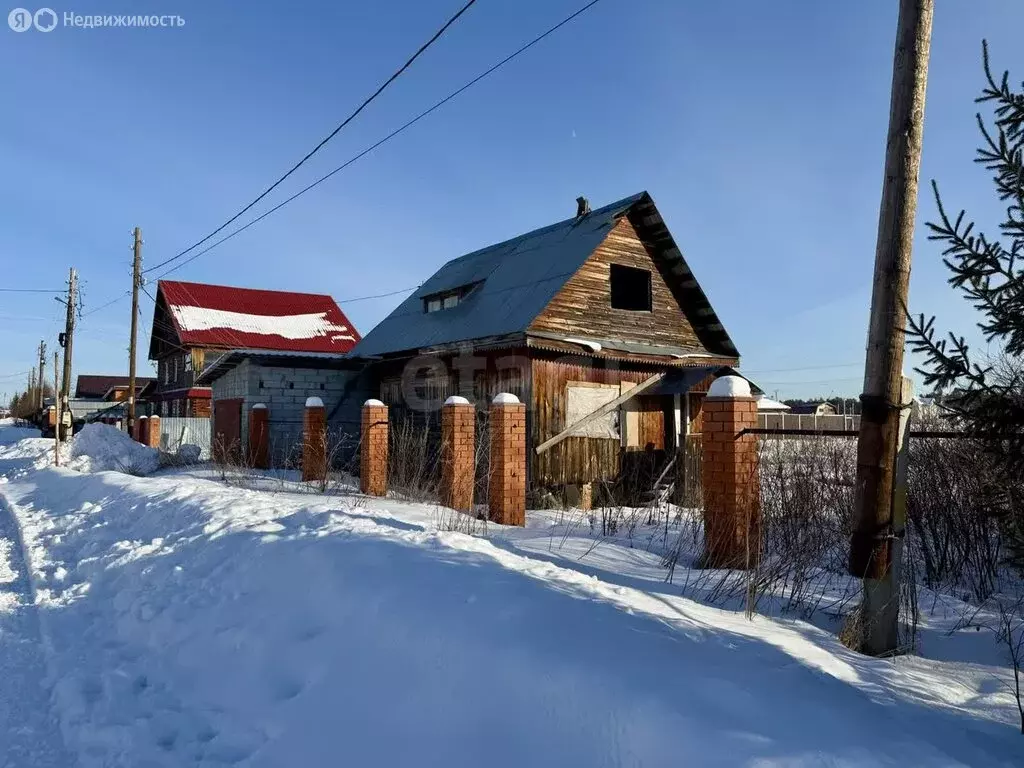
875 547
67 339
136 279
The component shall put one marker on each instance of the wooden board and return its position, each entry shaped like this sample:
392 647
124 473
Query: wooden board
583 305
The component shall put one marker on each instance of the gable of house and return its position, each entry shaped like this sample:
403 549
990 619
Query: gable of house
645 310
542 283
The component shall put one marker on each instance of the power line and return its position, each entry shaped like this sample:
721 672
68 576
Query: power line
387 138
329 136
806 368
30 290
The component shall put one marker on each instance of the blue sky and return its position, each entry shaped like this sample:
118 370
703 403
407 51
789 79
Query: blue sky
759 128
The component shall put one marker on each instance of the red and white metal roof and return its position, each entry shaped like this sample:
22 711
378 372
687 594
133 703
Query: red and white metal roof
245 318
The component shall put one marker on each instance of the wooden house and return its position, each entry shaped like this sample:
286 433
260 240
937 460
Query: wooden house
596 316
203 332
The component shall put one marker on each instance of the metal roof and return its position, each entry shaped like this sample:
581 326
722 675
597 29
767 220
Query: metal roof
510 283
251 318
516 280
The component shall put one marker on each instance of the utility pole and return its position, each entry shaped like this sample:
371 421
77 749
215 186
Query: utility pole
876 547
42 368
56 412
136 279
67 340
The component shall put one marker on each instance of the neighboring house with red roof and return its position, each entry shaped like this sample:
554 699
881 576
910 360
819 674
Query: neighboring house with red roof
196 325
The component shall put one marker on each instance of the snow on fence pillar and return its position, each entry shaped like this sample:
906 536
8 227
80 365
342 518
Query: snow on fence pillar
259 436
732 498
314 440
508 461
458 424
373 451
153 431
141 430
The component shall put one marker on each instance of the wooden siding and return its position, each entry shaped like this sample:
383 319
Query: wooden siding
581 459
583 306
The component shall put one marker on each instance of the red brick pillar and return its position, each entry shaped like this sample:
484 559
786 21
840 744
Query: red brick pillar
314 440
508 461
458 424
732 495
259 436
142 430
153 431
373 451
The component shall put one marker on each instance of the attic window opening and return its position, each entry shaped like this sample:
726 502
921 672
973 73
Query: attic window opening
447 299
630 288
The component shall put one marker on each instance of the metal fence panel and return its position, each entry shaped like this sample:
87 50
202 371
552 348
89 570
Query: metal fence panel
176 431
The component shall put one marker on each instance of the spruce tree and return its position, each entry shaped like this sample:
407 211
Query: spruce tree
986 395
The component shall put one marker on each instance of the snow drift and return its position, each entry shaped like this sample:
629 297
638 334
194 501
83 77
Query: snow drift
101 447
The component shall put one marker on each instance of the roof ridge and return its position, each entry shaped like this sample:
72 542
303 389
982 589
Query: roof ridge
623 203
252 290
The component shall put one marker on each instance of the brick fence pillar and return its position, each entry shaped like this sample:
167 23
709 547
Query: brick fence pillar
153 431
729 476
314 440
141 430
373 451
508 461
458 445
259 436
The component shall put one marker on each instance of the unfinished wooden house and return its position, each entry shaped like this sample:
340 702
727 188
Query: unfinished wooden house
596 318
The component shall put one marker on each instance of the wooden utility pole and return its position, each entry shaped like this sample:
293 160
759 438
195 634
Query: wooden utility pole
136 279
56 412
68 339
875 547
42 369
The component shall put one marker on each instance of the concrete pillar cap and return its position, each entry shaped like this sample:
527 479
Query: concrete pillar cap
314 402
456 400
505 398
373 402
729 386
260 407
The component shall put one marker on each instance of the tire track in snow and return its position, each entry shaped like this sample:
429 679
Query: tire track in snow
30 731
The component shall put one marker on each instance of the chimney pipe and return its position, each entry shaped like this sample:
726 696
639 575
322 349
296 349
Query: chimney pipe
582 206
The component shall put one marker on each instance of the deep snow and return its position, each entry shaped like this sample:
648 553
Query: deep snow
188 622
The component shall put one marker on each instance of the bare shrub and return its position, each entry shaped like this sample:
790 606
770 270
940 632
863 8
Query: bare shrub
414 456
954 528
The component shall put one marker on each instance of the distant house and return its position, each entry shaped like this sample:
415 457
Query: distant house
220 350
812 408
110 388
598 310
767 405
195 325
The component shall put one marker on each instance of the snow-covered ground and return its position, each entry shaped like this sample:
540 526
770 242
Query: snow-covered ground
179 620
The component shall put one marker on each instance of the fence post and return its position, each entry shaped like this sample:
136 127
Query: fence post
732 496
458 444
259 436
141 430
373 449
314 440
508 461
153 431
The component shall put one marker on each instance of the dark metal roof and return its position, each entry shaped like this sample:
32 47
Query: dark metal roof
91 386
515 280
234 358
